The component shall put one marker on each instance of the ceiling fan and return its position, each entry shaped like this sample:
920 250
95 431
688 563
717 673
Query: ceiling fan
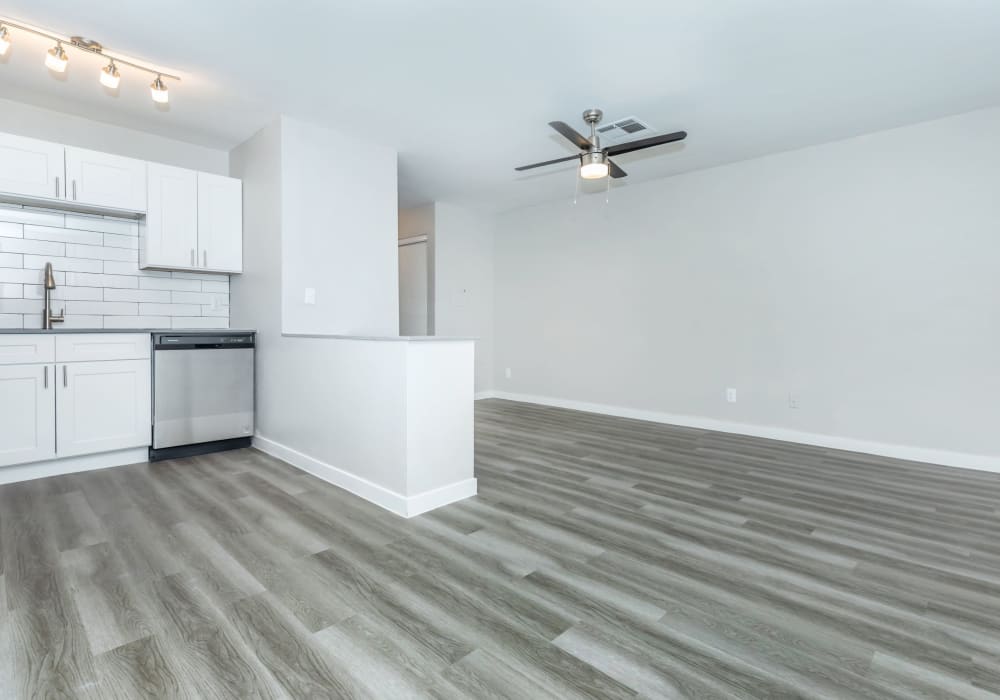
595 162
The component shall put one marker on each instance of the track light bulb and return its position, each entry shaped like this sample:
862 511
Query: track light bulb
110 77
159 91
56 59
4 40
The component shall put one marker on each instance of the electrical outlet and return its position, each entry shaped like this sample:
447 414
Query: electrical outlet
507 373
793 400
310 296
731 395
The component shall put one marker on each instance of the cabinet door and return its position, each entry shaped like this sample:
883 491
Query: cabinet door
169 233
105 180
27 413
102 406
220 223
32 167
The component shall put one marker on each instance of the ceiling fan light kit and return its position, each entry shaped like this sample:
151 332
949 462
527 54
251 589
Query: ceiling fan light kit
57 60
595 161
594 166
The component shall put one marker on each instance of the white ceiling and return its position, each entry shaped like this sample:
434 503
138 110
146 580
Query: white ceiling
464 89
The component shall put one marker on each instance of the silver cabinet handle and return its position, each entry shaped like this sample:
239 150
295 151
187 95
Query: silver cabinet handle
57 187
65 378
192 257
204 256
74 190
46 376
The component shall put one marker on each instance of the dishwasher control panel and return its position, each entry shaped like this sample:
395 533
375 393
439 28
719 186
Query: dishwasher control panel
187 341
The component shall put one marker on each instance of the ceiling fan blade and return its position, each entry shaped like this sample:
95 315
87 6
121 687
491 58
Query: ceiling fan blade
645 143
547 162
615 171
578 139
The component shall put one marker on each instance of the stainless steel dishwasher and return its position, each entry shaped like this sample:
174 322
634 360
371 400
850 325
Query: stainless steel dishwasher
203 392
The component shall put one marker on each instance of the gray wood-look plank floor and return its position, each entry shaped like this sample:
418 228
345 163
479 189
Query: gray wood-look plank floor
603 558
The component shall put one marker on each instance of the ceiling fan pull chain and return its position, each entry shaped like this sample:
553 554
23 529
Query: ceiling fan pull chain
576 193
607 192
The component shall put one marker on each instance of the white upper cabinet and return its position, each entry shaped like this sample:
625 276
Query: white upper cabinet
220 223
169 235
104 180
31 167
194 221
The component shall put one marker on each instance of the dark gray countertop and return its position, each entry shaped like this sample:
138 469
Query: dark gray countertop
60 331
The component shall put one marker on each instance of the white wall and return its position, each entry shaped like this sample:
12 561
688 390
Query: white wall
339 217
332 400
368 415
860 276
463 282
50 125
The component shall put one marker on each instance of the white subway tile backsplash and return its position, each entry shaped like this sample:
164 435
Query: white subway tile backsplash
113 267
97 276
63 235
169 310
9 230
100 252
217 311
113 240
64 264
9 274
70 322
103 224
195 322
157 296
193 298
84 279
20 245
137 322
20 306
37 291
171 283
102 308
222 287
38 217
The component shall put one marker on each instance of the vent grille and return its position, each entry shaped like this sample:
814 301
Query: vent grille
623 130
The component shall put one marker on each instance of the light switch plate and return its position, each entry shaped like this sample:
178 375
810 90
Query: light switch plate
310 296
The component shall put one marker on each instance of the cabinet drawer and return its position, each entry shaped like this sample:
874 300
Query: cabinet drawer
27 349
86 347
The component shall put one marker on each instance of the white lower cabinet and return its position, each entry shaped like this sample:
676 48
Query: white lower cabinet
73 394
27 413
102 406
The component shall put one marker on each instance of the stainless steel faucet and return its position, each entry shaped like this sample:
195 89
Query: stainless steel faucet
48 318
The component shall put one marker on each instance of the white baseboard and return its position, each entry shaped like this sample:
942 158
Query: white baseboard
405 506
71 465
435 498
914 454
488 394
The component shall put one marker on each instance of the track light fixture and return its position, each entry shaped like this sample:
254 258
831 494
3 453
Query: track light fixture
110 77
56 59
159 91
